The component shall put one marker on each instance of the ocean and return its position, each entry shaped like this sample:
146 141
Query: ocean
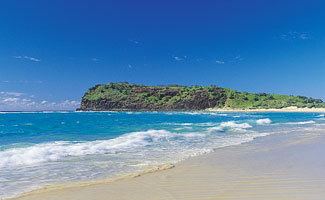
44 148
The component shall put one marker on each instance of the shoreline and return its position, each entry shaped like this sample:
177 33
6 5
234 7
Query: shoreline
226 110
292 109
284 110
112 186
118 177
82 184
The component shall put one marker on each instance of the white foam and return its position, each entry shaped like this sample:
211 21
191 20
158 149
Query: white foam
186 124
41 164
59 150
192 124
264 121
28 124
114 156
218 114
231 125
301 123
183 128
196 113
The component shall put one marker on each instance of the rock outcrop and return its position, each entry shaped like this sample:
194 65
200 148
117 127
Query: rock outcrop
124 96
133 97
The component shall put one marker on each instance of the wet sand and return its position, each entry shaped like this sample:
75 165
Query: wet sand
281 167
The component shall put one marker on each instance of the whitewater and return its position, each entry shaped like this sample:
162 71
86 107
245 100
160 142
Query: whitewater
45 148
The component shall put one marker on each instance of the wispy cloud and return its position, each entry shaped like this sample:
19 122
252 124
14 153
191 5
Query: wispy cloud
21 82
136 42
295 35
233 60
220 62
10 101
179 58
95 60
28 58
15 94
237 59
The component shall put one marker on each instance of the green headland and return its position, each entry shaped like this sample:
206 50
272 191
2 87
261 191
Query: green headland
126 96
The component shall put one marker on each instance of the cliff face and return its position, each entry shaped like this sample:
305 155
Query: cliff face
125 96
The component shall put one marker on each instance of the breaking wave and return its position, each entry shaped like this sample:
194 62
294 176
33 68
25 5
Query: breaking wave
55 151
263 121
231 126
120 144
301 123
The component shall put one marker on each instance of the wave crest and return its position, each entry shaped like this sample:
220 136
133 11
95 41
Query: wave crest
58 150
263 121
301 123
232 126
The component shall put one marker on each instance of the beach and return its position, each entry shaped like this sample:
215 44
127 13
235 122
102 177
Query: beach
280 166
162 100
291 109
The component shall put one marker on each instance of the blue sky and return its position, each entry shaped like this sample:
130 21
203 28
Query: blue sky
52 51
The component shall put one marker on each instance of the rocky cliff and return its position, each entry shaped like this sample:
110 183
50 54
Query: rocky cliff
125 96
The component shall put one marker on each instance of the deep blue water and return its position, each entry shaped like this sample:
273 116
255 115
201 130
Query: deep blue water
45 148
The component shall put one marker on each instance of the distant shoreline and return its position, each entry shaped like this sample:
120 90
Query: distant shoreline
34 111
292 109
287 110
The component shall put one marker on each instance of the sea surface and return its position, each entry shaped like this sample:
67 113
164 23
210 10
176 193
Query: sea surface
44 148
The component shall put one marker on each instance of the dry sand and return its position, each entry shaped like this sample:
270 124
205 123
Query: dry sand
277 167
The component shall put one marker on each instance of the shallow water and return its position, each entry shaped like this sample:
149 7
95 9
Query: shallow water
37 149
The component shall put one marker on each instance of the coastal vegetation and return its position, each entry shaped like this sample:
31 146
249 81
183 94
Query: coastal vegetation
126 96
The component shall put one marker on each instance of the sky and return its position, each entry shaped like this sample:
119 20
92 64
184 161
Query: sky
51 52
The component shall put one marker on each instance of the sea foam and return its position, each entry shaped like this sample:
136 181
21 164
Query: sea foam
58 150
263 121
301 123
232 126
116 143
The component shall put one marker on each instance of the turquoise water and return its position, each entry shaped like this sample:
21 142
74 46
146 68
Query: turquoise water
38 149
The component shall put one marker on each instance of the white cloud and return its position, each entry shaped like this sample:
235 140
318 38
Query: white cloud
295 35
233 60
15 94
134 42
179 58
237 59
22 82
28 58
10 101
220 62
304 36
